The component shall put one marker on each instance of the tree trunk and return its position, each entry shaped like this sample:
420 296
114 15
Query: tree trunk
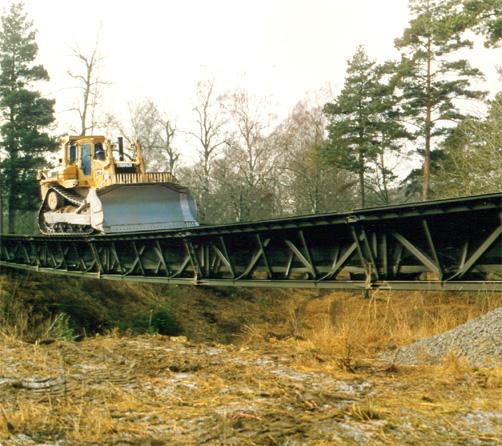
1 213
11 221
361 180
384 179
428 130
11 183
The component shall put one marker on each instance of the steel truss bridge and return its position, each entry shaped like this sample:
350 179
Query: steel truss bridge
450 244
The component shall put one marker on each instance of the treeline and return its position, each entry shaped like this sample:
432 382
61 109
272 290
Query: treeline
329 154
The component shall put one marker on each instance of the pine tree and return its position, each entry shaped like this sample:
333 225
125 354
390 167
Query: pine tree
431 79
25 113
391 131
363 124
351 124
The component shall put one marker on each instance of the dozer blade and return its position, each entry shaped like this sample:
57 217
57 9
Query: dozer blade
141 207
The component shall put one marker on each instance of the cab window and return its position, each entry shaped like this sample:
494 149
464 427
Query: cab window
86 159
72 154
99 152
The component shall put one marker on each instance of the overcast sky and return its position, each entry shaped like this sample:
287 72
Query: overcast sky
160 49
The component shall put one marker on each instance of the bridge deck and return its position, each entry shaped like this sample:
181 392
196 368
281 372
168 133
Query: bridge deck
445 244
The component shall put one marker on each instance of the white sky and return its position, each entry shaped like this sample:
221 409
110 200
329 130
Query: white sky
161 48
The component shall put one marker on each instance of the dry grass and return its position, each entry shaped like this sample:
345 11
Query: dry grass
305 373
344 325
152 390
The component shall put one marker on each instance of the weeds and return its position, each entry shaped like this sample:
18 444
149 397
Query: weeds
349 327
159 320
60 328
364 412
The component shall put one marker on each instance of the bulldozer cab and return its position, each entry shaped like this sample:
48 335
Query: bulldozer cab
86 159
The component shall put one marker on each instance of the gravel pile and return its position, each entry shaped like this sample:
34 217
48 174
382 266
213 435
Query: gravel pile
479 341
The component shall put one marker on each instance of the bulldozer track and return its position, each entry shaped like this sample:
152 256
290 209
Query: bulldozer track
70 197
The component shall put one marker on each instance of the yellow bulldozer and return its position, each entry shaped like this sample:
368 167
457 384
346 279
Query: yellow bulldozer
91 191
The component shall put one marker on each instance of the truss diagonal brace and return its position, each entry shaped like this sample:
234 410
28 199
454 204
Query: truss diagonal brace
479 252
424 258
223 258
254 259
301 257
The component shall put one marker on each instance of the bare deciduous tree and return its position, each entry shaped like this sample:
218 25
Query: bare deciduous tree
210 138
310 185
167 133
154 130
251 154
88 81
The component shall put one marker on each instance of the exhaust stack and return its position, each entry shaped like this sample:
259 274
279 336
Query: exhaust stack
121 148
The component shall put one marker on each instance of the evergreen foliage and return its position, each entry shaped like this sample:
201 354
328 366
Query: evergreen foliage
25 113
472 162
485 17
352 123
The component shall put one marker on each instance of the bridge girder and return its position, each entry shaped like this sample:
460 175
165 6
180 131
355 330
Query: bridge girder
447 244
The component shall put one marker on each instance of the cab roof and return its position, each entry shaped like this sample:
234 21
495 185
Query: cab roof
83 138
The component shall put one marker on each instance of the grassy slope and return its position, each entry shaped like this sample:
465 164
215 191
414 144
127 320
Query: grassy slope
94 306
225 314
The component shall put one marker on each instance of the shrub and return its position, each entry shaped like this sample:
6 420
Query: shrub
159 320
